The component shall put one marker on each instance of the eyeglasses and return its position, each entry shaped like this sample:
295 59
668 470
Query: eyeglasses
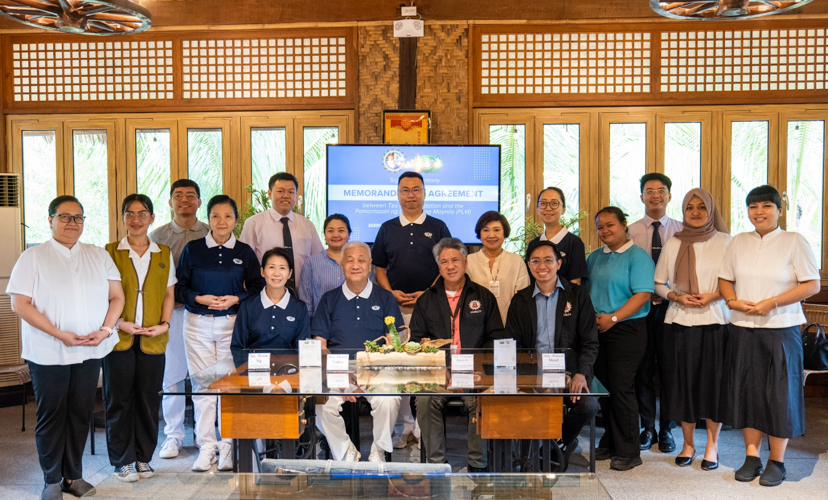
282 192
551 204
65 218
414 191
189 196
139 215
661 191
536 262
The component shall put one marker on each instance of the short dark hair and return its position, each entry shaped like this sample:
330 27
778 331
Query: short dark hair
338 217
655 176
185 183
140 198
66 198
617 212
282 176
762 193
278 252
410 175
557 190
492 216
222 199
535 244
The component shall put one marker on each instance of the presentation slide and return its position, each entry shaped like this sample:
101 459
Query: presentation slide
461 183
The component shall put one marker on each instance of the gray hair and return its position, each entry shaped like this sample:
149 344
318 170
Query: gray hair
449 243
355 244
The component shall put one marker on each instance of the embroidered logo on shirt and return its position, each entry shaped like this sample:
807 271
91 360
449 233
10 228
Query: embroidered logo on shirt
475 306
237 261
290 318
375 308
568 309
427 235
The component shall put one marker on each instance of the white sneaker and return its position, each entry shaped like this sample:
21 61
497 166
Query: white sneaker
225 456
401 441
206 458
352 455
377 456
170 448
126 473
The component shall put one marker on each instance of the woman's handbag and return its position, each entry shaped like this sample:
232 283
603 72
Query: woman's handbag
815 347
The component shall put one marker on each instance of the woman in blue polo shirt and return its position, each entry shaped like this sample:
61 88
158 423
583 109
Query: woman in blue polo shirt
620 284
215 274
274 319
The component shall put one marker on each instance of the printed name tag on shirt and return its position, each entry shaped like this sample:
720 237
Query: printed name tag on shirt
494 287
553 362
462 380
505 381
258 361
338 380
310 380
554 380
337 362
505 353
310 353
462 362
260 379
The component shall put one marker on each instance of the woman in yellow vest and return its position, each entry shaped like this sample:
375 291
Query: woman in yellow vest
134 370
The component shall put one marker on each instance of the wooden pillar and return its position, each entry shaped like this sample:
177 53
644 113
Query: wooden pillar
408 73
4 166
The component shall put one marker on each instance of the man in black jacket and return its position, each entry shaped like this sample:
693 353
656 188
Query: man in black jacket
552 313
454 308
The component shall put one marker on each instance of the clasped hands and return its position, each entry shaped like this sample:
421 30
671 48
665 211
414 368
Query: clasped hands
406 299
217 303
697 300
761 308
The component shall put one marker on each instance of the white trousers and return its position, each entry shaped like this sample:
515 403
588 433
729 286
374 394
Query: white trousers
175 369
208 342
384 410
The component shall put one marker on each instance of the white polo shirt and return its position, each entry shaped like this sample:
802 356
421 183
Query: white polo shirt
141 265
71 288
763 267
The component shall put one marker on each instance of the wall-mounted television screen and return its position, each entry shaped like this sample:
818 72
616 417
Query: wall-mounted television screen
461 182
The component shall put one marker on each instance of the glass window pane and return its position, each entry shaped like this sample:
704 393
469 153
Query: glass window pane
748 168
39 183
204 164
562 164
89 156
316 140
806 146
267 155
152 155
628 162
512 140
682 161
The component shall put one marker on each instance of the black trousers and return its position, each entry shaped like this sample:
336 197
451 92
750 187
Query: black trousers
619 356
132 382
65 398
579 414
650 365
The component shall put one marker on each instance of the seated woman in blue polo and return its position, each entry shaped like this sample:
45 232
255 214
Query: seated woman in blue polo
274 319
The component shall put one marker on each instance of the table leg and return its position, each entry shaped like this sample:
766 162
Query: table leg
244 455
592 444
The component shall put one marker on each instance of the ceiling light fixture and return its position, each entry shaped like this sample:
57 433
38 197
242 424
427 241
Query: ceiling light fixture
83 17
710 10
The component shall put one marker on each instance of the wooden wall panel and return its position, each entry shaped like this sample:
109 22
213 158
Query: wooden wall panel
379 78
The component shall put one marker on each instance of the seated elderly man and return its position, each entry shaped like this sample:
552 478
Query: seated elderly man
346 317
552 313
459 309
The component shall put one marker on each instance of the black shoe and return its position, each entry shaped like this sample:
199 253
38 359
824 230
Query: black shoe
648 439
625 463
567 452
750 470
707 465
602 454
78 487
477 470
774 474
666 444
686 461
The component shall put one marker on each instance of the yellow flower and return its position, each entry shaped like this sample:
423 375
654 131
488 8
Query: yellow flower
389 320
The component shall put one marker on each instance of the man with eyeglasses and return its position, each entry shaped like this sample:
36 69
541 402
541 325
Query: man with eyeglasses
552 313
651 233
280 226
405 266
185 200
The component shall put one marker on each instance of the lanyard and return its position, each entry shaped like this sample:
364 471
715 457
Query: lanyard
453 313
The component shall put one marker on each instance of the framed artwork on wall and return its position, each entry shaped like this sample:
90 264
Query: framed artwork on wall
406 127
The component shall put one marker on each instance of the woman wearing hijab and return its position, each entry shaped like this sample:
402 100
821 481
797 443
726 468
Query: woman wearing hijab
687 274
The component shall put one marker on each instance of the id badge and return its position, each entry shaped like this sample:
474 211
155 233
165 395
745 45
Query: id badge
494 287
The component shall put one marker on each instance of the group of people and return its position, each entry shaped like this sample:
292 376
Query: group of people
716 318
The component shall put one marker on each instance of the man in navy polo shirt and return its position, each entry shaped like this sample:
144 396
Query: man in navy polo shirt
346 317
406 267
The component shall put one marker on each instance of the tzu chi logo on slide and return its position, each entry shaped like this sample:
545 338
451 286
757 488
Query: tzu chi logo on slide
394 160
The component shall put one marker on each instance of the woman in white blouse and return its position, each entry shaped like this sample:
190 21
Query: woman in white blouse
696 335
502 272
69 297
765 275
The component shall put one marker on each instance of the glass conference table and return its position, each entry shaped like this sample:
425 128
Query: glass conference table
515 405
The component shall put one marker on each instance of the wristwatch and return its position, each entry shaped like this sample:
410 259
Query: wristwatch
614 318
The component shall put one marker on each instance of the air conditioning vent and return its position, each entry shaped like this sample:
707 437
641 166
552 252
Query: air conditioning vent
9 190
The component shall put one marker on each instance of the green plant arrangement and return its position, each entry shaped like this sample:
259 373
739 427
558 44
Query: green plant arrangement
532 229
259 203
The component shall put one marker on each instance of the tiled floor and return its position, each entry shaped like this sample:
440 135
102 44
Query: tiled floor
658 478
